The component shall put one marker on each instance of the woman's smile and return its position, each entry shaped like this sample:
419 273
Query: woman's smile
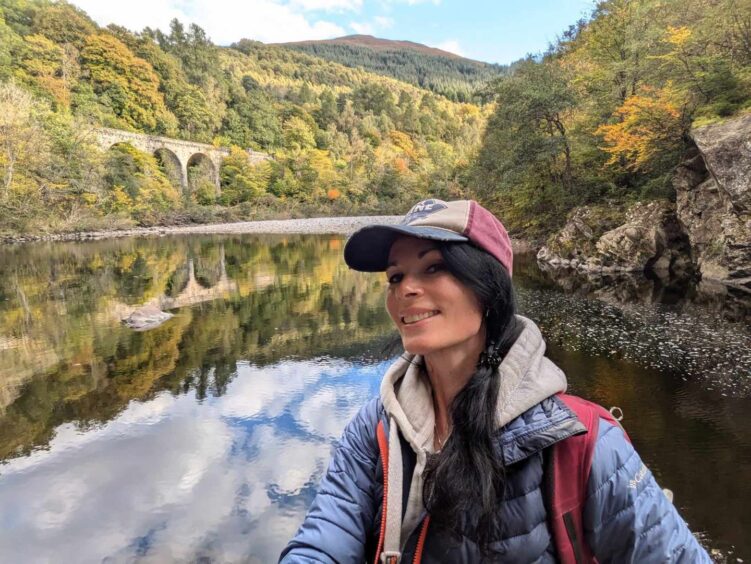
414 318
432 310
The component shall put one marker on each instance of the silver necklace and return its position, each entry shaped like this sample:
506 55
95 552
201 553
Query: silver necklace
438 437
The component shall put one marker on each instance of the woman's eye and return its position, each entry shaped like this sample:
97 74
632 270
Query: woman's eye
394 278
434 268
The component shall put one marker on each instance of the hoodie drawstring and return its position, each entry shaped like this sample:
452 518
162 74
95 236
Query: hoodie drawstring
392 538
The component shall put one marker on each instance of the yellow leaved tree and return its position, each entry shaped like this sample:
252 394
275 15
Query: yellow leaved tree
648 129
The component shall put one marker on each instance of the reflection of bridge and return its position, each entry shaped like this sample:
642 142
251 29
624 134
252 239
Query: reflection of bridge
177 153
151 314
195 293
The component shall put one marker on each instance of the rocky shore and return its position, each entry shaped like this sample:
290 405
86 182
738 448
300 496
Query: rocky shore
707 230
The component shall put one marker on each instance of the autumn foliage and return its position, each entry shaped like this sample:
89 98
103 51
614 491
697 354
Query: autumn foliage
646 127
343 140
606 113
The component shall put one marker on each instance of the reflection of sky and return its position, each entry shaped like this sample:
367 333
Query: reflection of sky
175 479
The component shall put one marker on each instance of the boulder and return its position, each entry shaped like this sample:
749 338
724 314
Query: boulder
651 239
648 236
578 238
713 199
146 317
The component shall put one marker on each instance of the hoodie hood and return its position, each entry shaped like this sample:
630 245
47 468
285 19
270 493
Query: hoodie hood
526 378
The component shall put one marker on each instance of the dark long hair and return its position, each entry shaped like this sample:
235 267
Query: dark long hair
466 478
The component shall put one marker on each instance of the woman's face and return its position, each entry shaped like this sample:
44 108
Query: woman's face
432 310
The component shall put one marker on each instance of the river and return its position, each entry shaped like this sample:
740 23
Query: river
203 439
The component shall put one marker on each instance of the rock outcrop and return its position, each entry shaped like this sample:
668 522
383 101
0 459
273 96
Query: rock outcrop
648 237
651 239
713 196
709 226
573 245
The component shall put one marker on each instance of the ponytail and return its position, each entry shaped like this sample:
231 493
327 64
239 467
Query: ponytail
466 478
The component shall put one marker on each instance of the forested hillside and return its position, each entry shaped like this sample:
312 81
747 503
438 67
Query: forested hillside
441 72
343 140
603 118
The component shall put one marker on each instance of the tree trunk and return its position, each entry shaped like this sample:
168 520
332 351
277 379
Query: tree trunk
566 151
8 180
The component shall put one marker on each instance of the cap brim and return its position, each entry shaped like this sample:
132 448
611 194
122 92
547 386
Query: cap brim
368 249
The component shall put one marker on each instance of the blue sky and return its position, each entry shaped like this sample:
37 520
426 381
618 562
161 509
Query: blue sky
499 31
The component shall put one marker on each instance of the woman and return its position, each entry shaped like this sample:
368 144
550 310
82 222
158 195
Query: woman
449 463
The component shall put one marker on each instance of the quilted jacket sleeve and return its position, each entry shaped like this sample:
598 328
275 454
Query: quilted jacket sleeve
627 517
337 524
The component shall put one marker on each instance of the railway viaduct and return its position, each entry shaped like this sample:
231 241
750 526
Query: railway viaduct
177 154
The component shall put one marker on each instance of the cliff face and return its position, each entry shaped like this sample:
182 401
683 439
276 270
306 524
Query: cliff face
708 227
713 200
647 236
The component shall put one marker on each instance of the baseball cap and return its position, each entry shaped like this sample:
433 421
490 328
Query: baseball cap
368 248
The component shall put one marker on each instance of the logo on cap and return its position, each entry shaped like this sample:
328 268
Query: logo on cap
423 209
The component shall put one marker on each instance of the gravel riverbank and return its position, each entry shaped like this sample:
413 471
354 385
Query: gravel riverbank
314 225
321 225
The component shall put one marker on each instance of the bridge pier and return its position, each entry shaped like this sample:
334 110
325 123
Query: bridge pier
184 177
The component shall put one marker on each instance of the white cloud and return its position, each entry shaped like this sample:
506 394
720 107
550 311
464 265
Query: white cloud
182 479
413 2
328 5
266 392
225 21
363 28
135 14
372 27
383 22
452 46
121 486
327 411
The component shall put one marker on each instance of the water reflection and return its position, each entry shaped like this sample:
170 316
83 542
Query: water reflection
733 303
661 325
66 356
175 479
204 437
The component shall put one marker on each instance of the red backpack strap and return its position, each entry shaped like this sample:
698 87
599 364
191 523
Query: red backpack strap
383 447
567 474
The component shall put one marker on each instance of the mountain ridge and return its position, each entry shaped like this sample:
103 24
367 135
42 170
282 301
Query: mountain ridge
455 77
382 44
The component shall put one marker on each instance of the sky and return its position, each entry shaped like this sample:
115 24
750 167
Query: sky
495 31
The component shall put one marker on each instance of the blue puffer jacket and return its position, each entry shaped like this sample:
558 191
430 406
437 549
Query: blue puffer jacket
627 518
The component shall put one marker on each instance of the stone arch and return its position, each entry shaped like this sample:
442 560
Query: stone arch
128 143
210 267
201 173
178 280
170 164
123 170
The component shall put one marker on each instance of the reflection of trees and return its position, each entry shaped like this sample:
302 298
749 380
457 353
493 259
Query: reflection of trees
637 288
692 439
177 281
209 261
74 361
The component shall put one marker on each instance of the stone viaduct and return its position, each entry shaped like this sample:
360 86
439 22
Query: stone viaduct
176 154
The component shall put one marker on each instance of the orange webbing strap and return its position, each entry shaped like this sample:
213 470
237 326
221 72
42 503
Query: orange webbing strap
421 540
383 446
